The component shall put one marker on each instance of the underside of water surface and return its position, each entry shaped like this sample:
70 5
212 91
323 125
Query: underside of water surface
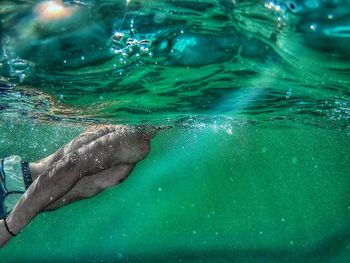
255 166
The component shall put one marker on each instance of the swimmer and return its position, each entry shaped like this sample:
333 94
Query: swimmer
99 158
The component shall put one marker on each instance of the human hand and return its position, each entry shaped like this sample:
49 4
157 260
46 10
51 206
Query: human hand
134 143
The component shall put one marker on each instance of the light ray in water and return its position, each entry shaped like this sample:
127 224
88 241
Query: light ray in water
187 147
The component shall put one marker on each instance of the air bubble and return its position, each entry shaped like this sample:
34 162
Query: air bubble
19 64
313 27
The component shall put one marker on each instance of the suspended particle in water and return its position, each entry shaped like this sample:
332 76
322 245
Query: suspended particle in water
289 93
313 27
330 16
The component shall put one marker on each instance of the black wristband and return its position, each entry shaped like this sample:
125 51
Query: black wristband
7 228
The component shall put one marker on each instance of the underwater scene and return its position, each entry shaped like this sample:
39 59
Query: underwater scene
251 161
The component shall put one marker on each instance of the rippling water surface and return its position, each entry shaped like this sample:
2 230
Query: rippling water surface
258 93
155 61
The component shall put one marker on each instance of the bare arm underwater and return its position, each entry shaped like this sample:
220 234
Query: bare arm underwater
93 161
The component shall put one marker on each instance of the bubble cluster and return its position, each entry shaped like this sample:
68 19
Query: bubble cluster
129 49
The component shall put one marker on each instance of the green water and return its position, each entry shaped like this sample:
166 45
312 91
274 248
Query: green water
258 194
256 166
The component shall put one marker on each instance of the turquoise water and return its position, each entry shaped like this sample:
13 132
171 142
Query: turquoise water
256 166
